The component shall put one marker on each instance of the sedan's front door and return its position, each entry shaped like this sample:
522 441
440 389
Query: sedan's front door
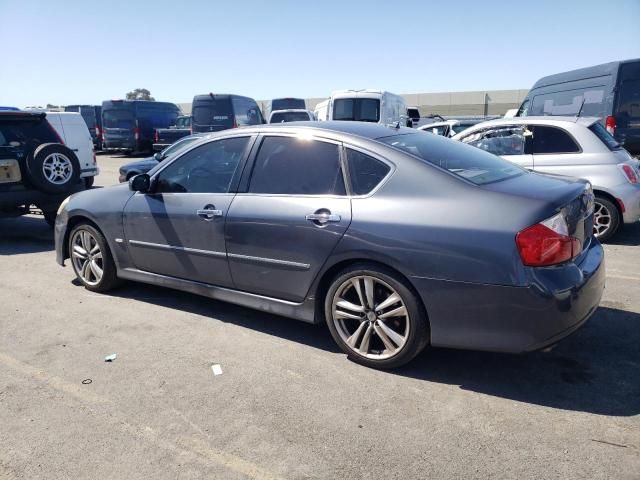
178 230
280 232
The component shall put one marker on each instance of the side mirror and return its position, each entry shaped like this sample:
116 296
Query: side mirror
140 183
158 156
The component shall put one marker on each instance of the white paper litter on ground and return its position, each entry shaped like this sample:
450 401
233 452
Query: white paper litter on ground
110 358
216 369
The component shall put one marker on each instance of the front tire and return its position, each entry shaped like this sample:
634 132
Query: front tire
606 219
375 317
91 259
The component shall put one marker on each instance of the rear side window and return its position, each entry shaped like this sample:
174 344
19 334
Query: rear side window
365 172
499 140
604 136
552 140
26 133
471 164
246 111
288 165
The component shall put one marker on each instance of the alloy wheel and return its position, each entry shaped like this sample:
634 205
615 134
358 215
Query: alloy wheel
370 317
57 168
601 219
87 257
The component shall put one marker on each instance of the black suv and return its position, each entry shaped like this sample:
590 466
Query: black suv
37 171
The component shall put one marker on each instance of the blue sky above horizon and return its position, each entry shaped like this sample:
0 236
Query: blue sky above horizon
70 51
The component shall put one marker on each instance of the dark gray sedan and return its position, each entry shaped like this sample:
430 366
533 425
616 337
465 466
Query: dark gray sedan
397 239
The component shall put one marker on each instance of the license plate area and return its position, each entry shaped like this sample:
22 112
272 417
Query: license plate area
9 171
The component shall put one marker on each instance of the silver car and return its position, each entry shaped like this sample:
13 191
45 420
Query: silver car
576 147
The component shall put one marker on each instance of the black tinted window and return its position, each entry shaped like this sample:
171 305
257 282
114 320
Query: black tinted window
206 169
358 109
287 165
26 133
246 111
213 112
365 172
628 103
552 140
287 104
470 163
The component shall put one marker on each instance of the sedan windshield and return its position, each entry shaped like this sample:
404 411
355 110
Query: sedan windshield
462 160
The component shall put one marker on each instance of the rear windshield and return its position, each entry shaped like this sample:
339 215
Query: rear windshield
605 136
118 119
246 111
462 160
287 104
413 113
21 133
357 109
212 112
289 117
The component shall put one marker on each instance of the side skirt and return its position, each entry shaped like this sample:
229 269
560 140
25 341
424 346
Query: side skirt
304 311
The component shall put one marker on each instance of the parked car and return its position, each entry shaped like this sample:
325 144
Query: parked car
321 112
9 109
163 137
448 128
578 147
37 171
610 91
376 106
285 116
284 104
73 131
383 251
129 125
130 170
215 112
91 116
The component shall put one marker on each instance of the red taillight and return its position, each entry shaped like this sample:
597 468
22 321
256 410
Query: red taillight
547 243
629 173
136 133
156 137
98 132
610 124
235 124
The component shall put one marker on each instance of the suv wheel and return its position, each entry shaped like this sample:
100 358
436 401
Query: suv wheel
606 219
91 259
53 168
375 317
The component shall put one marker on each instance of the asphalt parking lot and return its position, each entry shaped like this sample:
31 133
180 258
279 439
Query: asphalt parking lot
288 404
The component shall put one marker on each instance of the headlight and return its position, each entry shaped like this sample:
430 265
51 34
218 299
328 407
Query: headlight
63 204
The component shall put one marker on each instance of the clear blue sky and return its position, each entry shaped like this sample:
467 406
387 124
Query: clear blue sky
69 51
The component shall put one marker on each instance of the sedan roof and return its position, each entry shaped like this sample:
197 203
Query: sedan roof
362 129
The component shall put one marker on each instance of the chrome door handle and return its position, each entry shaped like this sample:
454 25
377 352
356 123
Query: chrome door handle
323 218
209 213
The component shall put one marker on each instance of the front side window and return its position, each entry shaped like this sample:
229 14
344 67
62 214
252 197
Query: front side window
471 164
365 172
293 166
246 111
357 109
552 140
499 140
206 169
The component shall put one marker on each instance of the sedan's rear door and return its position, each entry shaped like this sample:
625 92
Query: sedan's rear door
292 214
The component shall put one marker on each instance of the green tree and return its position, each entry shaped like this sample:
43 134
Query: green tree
140 94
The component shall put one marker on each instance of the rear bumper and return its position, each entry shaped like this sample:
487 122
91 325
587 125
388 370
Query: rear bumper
630 196
515 319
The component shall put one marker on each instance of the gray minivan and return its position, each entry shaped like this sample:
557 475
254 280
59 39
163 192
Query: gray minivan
610 91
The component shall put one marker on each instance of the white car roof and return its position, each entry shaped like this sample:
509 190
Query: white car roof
541 120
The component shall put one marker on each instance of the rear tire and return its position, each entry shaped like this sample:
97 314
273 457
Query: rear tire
91 259
53 168
375 317
606 219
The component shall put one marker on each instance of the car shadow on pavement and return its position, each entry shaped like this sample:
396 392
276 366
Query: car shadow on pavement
28 234
596 370
629 235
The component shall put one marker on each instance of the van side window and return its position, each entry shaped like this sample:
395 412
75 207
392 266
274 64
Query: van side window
502 140
569 102
552 140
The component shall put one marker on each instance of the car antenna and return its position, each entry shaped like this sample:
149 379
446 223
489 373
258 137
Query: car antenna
581 105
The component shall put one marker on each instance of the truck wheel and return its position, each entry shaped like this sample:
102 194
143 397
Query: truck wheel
53 168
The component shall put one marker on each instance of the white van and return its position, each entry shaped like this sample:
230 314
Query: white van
377 106
73 131
322 111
